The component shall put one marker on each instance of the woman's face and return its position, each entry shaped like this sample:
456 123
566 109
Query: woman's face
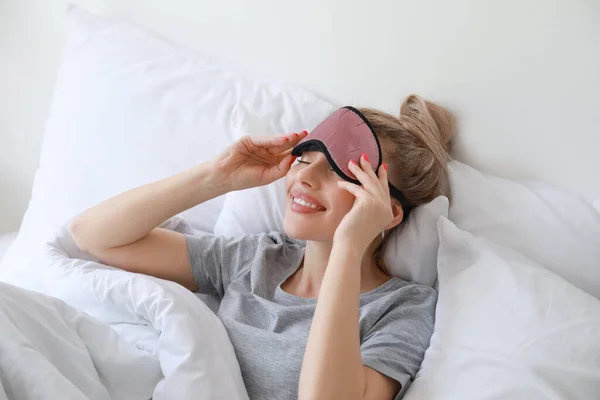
315 204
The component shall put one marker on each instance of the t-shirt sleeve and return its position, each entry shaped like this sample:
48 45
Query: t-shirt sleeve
395 346
216 261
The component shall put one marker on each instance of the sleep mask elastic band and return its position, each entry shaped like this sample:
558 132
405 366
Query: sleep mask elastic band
343 136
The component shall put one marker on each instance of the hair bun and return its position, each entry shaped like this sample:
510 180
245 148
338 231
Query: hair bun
437 119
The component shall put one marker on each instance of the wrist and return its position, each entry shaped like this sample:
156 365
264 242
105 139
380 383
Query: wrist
349 247
208 178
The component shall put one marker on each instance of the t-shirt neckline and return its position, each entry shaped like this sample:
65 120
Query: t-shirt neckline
281 294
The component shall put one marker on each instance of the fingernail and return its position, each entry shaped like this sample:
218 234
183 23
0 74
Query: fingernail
353 162
305 132
296 135
286 139
293 159
365 157
384 166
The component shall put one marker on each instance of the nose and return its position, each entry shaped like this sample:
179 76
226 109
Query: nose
311 174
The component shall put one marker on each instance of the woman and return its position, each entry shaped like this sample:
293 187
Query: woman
320 320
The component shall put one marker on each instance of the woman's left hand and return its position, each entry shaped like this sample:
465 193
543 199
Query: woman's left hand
372 210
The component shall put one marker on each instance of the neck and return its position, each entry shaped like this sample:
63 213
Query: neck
306 282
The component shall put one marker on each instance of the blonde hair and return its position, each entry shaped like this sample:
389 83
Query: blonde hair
416 145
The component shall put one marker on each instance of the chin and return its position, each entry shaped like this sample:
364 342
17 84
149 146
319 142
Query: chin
295 230
297 227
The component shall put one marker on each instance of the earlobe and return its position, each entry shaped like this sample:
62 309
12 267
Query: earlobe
398 213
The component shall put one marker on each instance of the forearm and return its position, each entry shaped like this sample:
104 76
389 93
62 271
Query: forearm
332 367
130 216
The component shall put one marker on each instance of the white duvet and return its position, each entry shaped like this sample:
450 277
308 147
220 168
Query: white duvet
110 334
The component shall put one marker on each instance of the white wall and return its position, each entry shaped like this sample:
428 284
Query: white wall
523 76
30 34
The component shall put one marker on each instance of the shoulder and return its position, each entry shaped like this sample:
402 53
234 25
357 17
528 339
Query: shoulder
406 315
408 300
416 293
404 290
281 239
270 259
233 257
395 343
267 250
418 299
245 243
276 244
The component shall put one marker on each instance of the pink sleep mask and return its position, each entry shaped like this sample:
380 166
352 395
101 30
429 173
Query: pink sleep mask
343 136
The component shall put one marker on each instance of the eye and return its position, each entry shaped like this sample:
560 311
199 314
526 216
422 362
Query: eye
304 159
300 160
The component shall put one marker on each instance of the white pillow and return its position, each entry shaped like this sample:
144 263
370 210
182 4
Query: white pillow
128 109
410 252
506 329
554 228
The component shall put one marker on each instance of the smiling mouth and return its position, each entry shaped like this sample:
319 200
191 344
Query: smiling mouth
305 203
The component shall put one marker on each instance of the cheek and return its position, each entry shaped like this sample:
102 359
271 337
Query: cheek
289 179
342 201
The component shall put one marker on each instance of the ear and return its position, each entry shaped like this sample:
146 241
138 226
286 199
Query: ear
398 213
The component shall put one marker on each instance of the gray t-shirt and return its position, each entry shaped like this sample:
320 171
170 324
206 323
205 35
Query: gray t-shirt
269 327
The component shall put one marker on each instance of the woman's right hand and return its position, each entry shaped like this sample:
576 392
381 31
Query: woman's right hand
257 161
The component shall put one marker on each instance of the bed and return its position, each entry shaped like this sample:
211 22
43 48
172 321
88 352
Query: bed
146 89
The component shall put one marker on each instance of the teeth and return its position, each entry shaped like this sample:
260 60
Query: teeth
304 203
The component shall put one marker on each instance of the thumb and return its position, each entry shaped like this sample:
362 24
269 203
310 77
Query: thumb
286 163
278 171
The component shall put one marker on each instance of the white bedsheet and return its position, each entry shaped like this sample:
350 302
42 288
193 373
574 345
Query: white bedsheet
169 344
49 350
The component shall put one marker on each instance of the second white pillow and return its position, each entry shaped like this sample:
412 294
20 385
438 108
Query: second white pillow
554 228
507 329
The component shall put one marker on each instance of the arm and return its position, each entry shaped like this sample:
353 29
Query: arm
122 231
332 367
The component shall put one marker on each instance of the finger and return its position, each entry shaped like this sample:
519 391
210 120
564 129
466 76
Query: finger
277 144
296 137
356 190
286 163
369 183
268 141
380 182
366 166
279 170
293 139
382 174
368 169
285 153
